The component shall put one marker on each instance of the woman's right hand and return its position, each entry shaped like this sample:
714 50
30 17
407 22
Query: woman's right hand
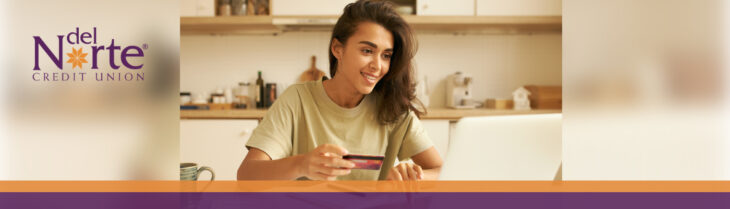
325 163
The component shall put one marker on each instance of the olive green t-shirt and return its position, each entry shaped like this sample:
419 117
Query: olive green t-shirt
304 117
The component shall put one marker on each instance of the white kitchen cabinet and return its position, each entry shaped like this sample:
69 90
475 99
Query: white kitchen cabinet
442 8
519 7
438 131
219 144
310 7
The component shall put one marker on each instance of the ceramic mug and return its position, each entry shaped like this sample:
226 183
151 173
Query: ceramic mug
190 171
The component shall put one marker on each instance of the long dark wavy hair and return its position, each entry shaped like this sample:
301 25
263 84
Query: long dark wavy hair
395 92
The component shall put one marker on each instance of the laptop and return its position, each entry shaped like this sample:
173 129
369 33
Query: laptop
514 147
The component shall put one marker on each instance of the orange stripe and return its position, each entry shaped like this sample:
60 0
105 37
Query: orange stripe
365 186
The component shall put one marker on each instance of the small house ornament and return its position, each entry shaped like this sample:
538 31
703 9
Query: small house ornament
521 100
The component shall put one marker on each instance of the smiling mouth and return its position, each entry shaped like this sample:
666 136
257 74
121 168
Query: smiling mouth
369 78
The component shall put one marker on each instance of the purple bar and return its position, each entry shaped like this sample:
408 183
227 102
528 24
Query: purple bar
362 200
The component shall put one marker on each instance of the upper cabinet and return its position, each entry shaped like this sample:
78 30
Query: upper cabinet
519 7
445 8
439 16
308 7
422 7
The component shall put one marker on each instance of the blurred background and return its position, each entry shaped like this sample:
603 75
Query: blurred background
90 130
646 90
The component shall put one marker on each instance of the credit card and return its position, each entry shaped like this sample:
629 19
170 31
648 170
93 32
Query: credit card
368 162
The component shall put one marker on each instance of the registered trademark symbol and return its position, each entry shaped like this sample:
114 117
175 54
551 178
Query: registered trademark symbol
144 46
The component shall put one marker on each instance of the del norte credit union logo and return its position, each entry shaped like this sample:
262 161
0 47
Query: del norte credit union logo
85 49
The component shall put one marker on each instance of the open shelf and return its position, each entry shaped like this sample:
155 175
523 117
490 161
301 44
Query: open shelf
449 24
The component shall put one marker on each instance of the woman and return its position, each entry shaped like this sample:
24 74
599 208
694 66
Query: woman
367 108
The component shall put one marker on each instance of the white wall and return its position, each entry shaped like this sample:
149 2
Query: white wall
519 7
646 101
499 63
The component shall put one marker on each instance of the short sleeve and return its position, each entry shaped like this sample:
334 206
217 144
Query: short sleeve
274 134
415 139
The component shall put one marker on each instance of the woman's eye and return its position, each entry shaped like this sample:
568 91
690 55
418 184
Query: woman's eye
367 51
387 56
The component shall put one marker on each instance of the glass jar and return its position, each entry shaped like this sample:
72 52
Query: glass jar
242 95
224 8
185 98
238 7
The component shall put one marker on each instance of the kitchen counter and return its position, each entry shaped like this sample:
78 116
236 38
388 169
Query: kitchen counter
441 113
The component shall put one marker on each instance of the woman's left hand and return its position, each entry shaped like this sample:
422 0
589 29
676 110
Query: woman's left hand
406 172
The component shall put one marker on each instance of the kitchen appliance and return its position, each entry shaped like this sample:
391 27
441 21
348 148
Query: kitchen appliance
458 91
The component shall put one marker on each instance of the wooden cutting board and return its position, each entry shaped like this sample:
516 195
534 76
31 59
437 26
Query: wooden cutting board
312 74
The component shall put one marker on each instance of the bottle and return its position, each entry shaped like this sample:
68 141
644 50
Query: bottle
224 9
260 92
250 8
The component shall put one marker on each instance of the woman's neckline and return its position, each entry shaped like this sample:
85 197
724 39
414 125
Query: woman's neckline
330 104
332 94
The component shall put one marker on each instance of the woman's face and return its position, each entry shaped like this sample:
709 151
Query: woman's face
365 58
